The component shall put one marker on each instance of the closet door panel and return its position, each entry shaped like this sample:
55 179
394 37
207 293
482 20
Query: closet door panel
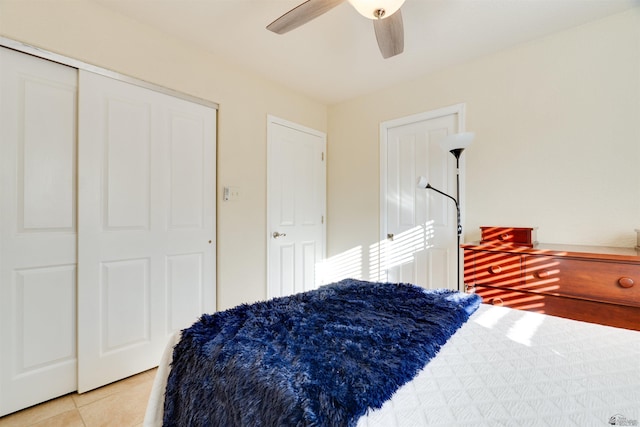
47 156
124 296
37 230
146 201
54 340
187 157
126 165
185 289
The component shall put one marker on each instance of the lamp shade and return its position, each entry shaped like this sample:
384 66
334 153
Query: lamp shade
457 141
369 8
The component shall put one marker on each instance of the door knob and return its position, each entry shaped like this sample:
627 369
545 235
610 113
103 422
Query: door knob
390 236
276 234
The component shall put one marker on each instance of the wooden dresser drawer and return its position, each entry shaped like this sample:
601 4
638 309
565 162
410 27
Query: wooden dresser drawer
570 308
493 268
617 283
511 298
517 236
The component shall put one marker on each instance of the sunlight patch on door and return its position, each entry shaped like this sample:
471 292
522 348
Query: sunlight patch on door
383 255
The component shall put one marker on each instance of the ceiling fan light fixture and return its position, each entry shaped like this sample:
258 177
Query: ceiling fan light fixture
376 9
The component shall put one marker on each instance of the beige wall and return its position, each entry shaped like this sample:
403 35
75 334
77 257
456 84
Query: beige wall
87 32
557 124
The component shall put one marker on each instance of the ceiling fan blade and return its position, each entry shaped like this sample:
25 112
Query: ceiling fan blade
302 14
390 34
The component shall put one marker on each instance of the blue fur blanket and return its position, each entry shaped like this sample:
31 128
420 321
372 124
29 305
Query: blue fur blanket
319 358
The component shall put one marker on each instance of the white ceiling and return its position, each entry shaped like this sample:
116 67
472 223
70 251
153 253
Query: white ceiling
335 57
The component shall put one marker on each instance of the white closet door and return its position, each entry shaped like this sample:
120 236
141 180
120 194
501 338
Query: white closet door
146 224
37 230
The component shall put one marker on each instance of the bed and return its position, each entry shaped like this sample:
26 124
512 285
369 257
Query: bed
487 366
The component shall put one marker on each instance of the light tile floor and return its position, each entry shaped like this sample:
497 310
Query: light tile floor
121 404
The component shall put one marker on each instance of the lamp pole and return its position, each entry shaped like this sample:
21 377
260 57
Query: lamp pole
428 186
457 152
455 144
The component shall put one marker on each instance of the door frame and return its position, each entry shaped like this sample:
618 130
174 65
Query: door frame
458 109
271 121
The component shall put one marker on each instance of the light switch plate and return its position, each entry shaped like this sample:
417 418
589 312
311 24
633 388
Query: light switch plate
231 193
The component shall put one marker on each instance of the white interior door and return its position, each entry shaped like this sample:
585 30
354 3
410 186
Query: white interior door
296 207
37 230
419 226
146 263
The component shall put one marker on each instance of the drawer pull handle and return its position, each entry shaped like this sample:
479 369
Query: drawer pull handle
542 274
626 282
495 269
505 236
497 301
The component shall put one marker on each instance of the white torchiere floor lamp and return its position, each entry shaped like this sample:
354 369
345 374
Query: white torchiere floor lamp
455 144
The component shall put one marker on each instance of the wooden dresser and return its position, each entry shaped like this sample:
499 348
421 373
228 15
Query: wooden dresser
589 283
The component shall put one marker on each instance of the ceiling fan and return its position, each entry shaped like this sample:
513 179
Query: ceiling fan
386 16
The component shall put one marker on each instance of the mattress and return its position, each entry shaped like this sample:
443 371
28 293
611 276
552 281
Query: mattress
512 368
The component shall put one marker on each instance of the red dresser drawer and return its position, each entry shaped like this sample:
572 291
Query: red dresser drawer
587 311
516 236
617 283
492 268
510 298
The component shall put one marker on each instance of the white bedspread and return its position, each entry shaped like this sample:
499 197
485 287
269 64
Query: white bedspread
514 368
511 368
